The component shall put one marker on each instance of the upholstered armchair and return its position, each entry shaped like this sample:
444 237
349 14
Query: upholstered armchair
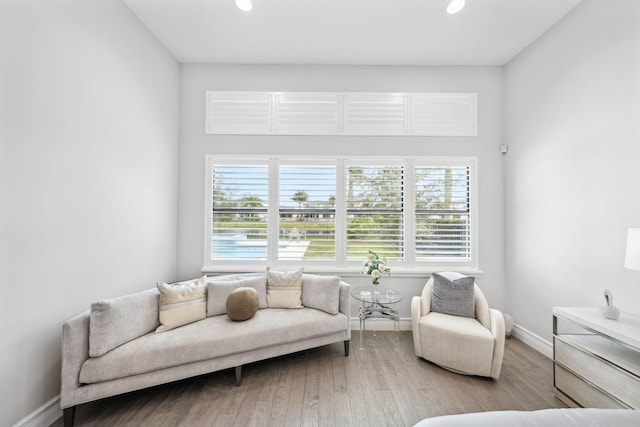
469 345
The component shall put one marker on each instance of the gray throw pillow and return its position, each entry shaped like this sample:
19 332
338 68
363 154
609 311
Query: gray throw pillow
321 292
453 296
218 291
119 320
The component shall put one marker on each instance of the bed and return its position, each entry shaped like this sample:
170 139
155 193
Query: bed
569 417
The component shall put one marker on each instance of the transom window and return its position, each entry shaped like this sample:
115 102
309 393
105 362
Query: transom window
331 212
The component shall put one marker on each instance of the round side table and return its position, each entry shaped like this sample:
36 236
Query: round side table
378 302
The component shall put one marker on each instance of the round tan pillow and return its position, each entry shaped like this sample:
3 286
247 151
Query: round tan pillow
242 304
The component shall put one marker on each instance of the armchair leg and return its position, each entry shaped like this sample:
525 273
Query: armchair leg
238 375
69 415
346 348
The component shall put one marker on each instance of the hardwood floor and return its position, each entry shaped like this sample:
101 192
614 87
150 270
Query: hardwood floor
320 387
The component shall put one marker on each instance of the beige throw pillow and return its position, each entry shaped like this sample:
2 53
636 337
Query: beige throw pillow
284 288
182 303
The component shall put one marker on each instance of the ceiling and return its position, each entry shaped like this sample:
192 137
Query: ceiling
369 32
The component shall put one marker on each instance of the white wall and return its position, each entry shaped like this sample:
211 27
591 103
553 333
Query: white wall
194 145
572 102
88 177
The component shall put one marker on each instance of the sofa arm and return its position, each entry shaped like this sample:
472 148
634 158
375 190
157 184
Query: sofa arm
497 330
75 350
416 303
345 299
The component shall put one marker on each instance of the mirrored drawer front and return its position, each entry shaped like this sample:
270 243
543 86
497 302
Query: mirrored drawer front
618 383
582 393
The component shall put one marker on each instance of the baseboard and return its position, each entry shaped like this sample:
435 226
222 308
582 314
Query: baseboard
532 340
44 416
381 324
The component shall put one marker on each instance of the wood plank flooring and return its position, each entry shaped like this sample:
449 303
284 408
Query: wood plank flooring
320 387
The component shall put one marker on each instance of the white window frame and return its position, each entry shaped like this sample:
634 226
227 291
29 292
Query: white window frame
341 264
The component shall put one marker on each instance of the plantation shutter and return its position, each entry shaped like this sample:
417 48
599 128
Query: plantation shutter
306 114
444 114
374 210
338 113
238 112
239 214
442 213
375 114
307 212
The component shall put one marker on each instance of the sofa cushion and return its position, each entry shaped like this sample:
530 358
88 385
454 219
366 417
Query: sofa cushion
209 338
116 321
182 303
321 292
219 288
454 297
284 288
242 304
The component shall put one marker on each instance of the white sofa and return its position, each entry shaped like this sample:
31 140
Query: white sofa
146 358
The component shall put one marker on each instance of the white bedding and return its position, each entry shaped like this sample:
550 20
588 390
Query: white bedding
570 417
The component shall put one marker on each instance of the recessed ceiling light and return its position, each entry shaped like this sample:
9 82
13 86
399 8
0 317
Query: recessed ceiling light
455 6
245 5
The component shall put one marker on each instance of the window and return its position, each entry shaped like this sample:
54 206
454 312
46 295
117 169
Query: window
239 212
418 213
442 213
307 212
375 197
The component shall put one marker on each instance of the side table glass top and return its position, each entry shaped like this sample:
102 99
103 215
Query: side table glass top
376 294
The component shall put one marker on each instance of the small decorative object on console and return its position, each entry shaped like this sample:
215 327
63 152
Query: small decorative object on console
608 310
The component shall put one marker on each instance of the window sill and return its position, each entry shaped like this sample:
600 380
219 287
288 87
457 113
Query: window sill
344 271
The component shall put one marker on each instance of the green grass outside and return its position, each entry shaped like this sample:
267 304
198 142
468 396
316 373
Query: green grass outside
321 245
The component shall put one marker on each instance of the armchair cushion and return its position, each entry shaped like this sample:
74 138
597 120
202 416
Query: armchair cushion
453 296
457 343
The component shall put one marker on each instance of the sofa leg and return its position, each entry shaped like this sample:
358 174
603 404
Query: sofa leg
346 348
69 415
238 375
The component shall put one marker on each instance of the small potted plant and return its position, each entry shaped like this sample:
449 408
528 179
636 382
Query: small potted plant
374 266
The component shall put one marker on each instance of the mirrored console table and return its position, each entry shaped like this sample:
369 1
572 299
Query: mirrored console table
596 360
